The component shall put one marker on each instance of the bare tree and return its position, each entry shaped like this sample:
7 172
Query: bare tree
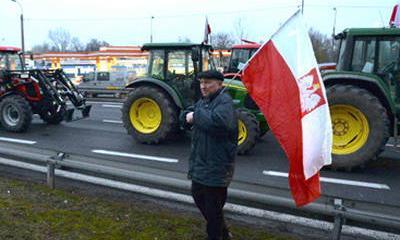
324 48
240 30
95 44
222 40
76 45
41 48
60 38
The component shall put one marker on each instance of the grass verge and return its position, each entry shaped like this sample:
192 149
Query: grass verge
33 211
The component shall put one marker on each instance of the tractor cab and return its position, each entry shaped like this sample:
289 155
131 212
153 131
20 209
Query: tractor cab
372 52
241 53
10 59
177 64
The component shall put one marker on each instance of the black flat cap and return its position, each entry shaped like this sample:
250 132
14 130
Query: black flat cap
211 74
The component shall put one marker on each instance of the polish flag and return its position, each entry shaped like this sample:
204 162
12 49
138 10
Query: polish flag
283 79
395 18
207 31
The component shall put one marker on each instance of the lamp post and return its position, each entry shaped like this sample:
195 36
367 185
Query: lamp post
151 28
334 27
22 24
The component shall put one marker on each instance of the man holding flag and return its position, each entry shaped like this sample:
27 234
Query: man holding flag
284 80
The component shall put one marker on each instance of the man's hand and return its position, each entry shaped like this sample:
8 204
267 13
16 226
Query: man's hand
189 117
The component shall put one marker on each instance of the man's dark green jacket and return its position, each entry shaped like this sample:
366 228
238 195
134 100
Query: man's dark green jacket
214 140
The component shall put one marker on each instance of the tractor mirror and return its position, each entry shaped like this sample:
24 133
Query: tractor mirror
195 54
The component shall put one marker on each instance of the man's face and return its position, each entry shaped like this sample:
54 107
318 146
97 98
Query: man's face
209 86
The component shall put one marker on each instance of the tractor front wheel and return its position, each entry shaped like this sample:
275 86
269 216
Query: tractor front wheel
360 126
249 131
55 118
149 115
15 113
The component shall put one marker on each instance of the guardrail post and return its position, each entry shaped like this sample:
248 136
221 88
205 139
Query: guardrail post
396 132
339 219
50 174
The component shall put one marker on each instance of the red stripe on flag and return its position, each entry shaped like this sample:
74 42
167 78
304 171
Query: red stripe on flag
273 87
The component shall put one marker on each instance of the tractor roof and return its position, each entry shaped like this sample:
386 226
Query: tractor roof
9 49
369 32
246 46
149 46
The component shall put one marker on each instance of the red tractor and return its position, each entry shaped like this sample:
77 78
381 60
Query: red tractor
27 92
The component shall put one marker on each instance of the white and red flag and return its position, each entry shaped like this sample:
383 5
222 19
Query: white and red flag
395 17
284 80
207 31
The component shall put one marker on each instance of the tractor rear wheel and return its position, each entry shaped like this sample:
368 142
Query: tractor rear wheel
360 126
15 113
53 119
249 131
149 115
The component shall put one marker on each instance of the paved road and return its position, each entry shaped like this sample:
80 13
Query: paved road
102 136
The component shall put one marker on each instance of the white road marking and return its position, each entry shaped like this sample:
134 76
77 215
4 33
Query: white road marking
14 140
132 155
112 121
104 102
392 145
335 180
111 106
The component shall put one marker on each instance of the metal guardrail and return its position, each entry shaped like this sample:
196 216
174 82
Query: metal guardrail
332 207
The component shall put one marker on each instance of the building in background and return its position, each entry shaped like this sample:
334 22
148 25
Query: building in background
121 62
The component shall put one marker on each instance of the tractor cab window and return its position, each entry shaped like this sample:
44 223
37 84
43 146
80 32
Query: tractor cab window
239 58
10 62
180 73
388 56
14 62
156 64
207 60
180 65
342 54
2 61
363 55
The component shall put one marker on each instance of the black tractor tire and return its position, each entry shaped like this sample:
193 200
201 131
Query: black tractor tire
378 124
168 125
251 131
15 113
53 119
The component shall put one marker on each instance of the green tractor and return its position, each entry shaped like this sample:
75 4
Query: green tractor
364 94
150 112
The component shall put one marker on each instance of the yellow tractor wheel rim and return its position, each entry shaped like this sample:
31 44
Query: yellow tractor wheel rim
242 134
145 115
350 129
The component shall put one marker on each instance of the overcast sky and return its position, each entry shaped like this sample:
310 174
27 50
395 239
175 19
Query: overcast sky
127 22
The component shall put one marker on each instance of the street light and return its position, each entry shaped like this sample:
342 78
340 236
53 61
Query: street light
22 25
151 28
334 27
